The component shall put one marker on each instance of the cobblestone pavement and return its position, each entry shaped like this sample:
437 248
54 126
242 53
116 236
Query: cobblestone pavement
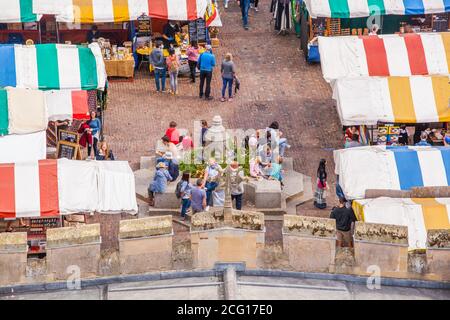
276 84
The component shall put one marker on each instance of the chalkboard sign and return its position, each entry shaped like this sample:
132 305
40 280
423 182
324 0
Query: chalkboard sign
144 25
197 30
68 150
69 136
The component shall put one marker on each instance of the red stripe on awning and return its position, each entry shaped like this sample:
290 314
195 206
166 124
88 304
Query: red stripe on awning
7 191
48 187
158 9
416 54
376 56
80 105
192 9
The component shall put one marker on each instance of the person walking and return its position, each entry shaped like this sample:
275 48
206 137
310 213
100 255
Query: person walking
228 71
206 64
96 126
321 185
345 223
237 184
159 65
192 54
173 65
198 197
245 6
185 193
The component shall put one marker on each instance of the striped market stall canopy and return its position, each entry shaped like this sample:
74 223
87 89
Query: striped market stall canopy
59 187
24 111
17 11
365 8
95 11
391 168
52 66
23 147
387 55
419 215
369 100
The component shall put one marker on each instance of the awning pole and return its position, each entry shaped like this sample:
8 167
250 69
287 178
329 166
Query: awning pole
57 32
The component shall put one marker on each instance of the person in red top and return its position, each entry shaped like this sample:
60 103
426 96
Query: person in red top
172 133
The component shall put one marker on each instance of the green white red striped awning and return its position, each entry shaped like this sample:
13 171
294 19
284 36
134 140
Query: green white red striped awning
17 11
366 8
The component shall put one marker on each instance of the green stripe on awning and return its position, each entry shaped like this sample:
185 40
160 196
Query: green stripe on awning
339 9
47 65
88 69
26 11
376 7
4 117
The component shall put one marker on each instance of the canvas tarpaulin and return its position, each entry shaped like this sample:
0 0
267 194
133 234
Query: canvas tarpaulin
52 66
365 8
391 168
20 148
383 56
17 11
369 100
59 187
419 215
93 11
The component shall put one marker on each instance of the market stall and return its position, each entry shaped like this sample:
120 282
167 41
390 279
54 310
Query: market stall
18 21
373 100
324 18
387 55
419 215
52 66
41 192
391 168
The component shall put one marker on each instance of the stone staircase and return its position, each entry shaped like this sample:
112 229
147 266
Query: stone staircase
265 195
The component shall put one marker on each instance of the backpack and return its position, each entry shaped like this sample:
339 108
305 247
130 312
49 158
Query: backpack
178 192
174 67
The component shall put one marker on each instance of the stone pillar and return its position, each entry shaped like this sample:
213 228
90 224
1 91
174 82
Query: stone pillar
212 241
310 243
73 249
13 257
145 244
438 254
381 247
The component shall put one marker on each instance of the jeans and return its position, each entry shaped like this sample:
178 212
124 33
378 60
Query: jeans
245 6
205 76
93 146
160 79
185 204
192 68
282 143
210 187
229 83
238 198
173 81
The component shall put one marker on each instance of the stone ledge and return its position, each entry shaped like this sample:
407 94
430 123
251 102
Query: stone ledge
438 239
70 236
381 233
13 242
309 226
247 220
145 227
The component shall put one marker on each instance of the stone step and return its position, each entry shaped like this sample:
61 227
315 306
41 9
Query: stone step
293 184
142 179
308 195
288 164
147 162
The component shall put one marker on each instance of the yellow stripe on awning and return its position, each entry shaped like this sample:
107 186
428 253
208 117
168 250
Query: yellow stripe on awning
434 214
401 99
358 209
121 12
83 11
441 88
446 40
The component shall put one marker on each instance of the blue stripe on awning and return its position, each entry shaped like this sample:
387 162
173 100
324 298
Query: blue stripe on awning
408 168
414 6
8 66
447 5
446 158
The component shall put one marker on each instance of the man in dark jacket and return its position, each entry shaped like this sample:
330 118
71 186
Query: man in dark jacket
245 6
345 223
158 62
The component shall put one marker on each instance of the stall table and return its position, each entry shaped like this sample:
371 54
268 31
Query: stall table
120 68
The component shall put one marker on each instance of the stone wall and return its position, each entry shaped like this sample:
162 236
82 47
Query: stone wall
310 243
438 254
145 244
381 246
13 257
73 249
